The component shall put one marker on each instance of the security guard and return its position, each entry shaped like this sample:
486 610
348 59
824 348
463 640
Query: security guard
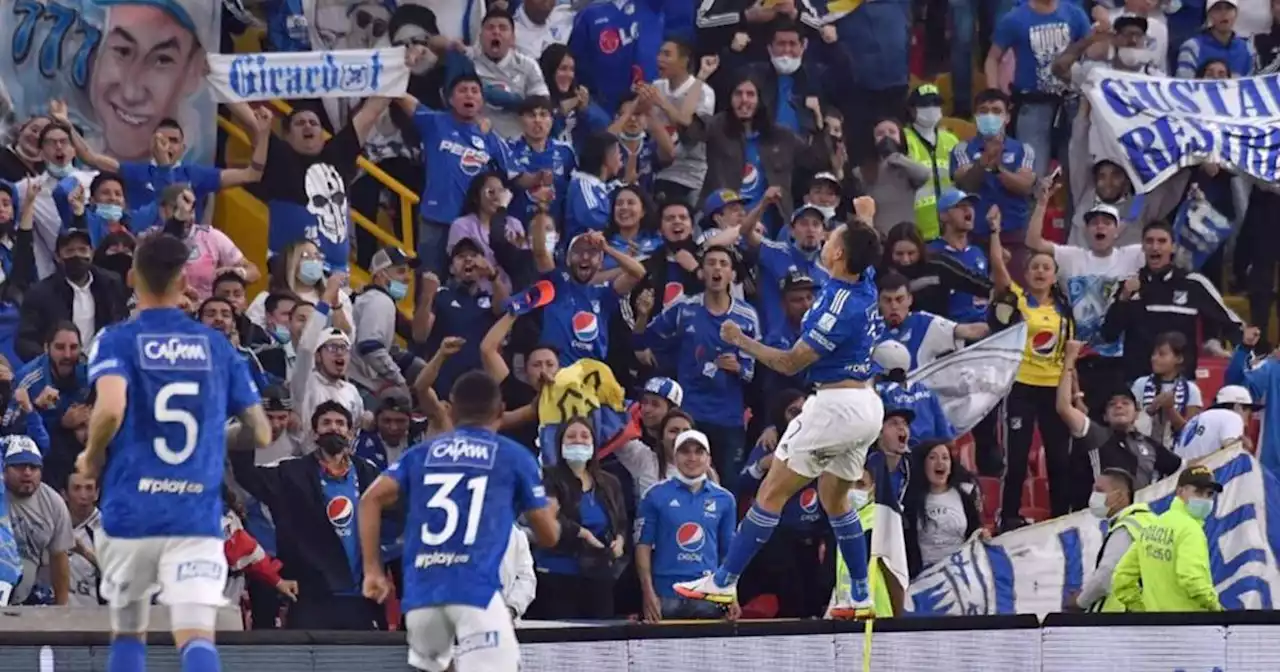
1112 499
930 144
1171 558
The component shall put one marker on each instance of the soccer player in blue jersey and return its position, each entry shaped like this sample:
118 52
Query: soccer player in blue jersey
463 490
166 385
830 438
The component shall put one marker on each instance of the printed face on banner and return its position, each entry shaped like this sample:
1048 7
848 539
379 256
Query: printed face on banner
121 67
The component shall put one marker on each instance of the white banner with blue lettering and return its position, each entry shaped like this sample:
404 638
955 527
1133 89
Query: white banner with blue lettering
1154 126
353 73
1029 571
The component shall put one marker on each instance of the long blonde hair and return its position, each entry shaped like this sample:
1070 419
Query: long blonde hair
292 259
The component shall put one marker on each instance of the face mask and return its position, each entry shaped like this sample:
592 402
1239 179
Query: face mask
1098 504
110 211
631 137
281 333
928 117
886 147
577 453
58 171
76 268
398 290
785 65
691 482
1199 507
331 444
1131 57
989 124
828 211
860 498
311 271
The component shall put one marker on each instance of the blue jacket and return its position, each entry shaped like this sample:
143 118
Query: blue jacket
1264 385
877 35
36 375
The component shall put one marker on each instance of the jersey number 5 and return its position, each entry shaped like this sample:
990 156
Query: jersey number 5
443 500
165 413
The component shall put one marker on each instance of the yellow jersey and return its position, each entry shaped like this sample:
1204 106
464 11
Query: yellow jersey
1046 338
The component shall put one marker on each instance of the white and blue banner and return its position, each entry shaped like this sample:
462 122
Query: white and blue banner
1198 231
1029 571
1155 126
355 73
972 381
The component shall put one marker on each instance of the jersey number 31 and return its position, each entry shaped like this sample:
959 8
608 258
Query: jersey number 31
167 414
442 499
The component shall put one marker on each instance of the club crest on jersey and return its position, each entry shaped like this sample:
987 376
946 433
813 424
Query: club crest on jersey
462 451
171 352
1044 342
809 500
341 512
690 537
586 327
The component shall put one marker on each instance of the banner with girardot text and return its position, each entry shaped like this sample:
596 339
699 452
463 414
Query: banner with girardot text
355 73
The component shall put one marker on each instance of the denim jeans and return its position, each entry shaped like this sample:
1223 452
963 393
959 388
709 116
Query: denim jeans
964 14
728 448
433 239
1040 125
678 607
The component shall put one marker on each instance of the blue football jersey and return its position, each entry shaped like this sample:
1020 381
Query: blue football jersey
689 531
463 490
454 153
843 326
577 320
557 157
164 467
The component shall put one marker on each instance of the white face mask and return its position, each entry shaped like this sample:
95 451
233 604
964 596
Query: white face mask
928 117
859 498
1098 504
828 211
1133 57
785 65
577 453
691 482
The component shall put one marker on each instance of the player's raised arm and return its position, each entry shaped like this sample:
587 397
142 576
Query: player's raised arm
786 362
382 494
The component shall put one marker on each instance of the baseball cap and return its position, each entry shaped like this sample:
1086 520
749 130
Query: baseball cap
1231 395
395 399
891 355
695 436
68 235
20 449
1233 3
952 197
1125 20
390 257
904 412
1199 476
828 177
1123 391
925 95
796 280
807 209
334 335
666 388
718 199
1101 208
276 398
465 244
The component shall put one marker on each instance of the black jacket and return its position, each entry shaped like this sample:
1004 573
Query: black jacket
1171 300
305 541
49 301
567 489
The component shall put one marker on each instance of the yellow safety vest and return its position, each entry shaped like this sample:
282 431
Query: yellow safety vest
938 157
884 605
1132 518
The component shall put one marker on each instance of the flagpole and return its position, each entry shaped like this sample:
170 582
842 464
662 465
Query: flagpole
870 623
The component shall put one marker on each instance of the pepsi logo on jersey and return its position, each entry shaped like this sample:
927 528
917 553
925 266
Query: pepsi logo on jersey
809 500
586 327
1044 343
341 512
690 537
750 178
175 353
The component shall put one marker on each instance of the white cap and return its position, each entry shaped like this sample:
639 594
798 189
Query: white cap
1231 395
333 335
695 436
21 449
1233 3
1101 208
892 355
666 388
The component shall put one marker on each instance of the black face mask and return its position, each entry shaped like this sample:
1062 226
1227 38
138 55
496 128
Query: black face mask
118 263
332 444
887 147
76 268
176 228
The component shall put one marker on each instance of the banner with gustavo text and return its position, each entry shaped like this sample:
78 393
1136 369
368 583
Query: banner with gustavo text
355 73
1030 571
122 66
1155 126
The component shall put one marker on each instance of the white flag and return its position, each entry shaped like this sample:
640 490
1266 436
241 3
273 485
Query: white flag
970 382
355 73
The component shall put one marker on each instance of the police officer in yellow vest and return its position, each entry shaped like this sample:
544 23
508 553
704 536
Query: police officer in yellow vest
929 144
1168 569
1112 499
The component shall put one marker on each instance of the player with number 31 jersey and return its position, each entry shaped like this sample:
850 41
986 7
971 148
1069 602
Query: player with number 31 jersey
463 490
166 386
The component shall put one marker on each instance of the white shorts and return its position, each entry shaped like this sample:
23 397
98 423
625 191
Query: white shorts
832 433
183 570
481 640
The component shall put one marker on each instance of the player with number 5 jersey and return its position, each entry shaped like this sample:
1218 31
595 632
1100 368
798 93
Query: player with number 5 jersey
166 386
463 491
828 441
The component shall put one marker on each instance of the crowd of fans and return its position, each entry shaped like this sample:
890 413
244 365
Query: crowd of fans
612 181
